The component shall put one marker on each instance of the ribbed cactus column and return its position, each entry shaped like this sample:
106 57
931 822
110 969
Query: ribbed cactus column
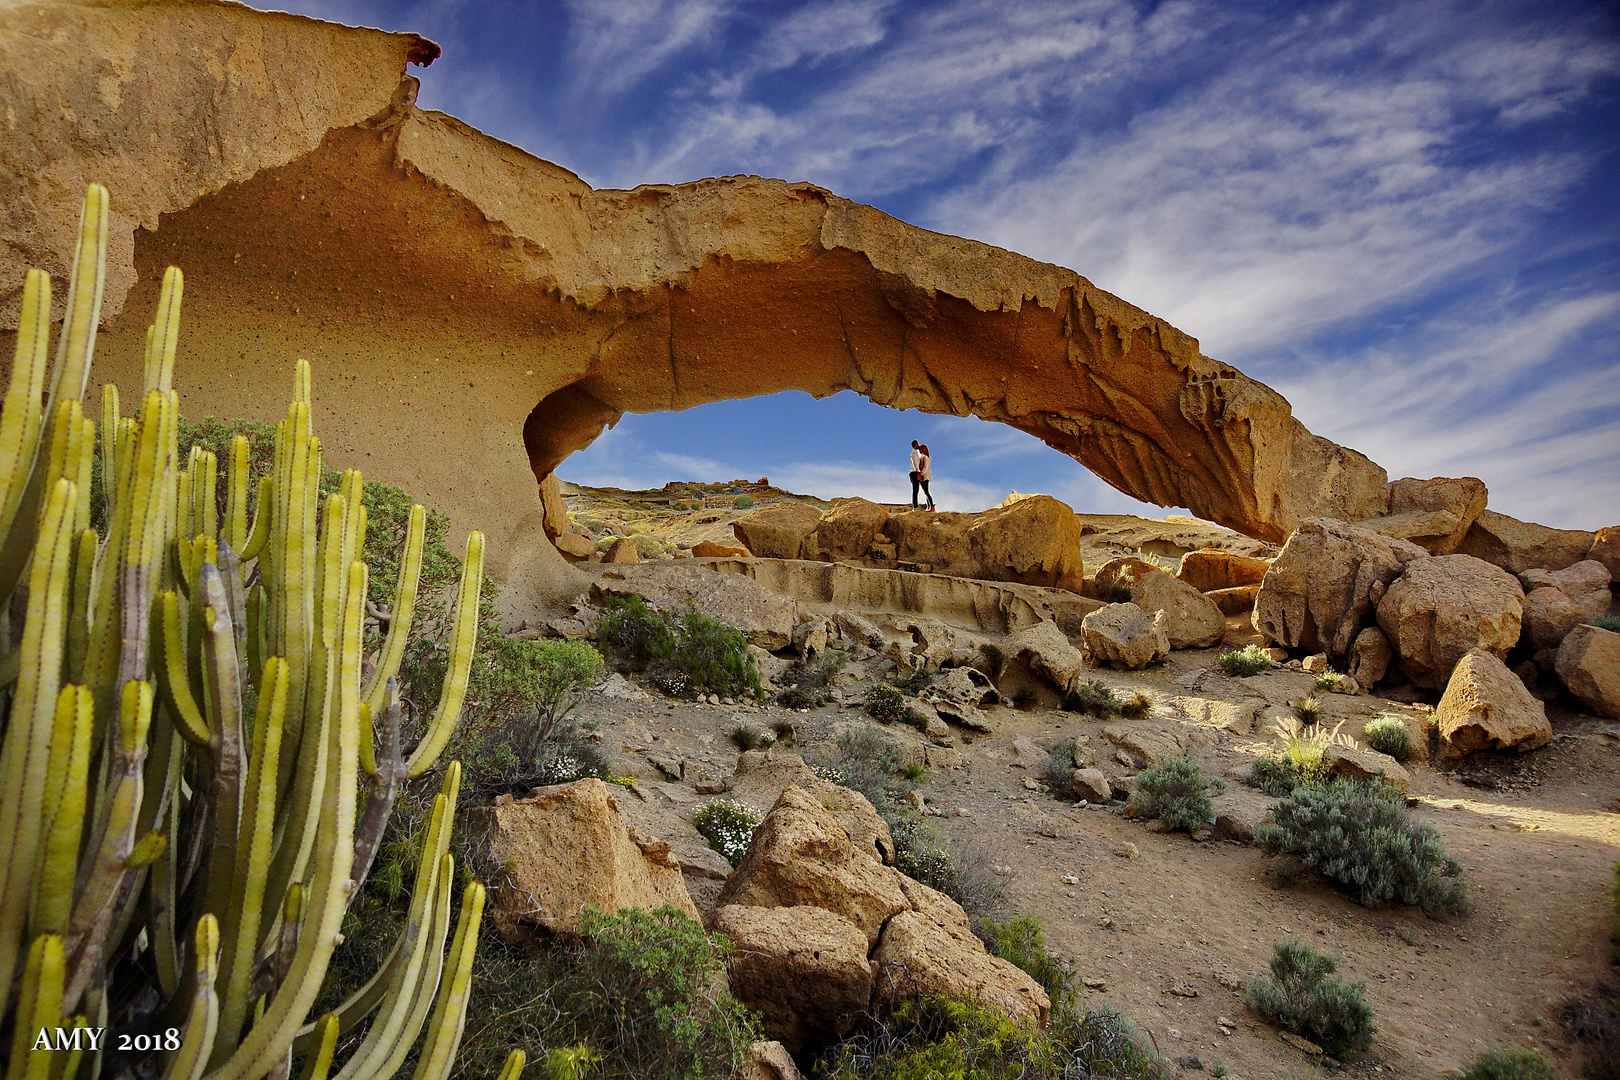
186 726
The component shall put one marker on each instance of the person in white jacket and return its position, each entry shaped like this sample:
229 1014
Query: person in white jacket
916 461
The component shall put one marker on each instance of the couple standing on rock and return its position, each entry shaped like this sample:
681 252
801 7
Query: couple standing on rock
922 471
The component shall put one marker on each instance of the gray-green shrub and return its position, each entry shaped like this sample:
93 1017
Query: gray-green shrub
1602 622
1093 698
1021 941
1274 776
1302 996
1511 1065
1388 735
1249 660
1176 791
888 705
1359 835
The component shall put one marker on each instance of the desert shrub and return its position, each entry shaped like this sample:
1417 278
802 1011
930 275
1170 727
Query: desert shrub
1137 705
637 631
1593 1021
742 502
961 869
784 729
648 547
1176 791
744 737
1274 776
1308 710
809 681
1021 941
595 524
728 826
711 656
1025 698
1305 746
1249 660
1302 996
1091 697
1117 593
1060 764
1388 735
870 762
914 682
1360 835
1602 622
1327 680
1511 1065
943 1039
888 705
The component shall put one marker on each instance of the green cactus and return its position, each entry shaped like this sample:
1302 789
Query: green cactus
185 731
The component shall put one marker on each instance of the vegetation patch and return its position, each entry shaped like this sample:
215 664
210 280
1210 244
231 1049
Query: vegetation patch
1021 941
808 682
1137 705
1176 791
1060 764
962 871
728 826
1359 835
1512 1065
1274 776
1249 660
889 705
695 652
1092 698
1607 622
1388 735
1304 998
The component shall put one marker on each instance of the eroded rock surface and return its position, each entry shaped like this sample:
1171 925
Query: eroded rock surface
777 531
1486 707
1126 636
1588 662
803 968
1517 546
1440 608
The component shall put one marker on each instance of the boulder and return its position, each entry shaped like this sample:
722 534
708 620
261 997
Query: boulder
1322 587
1191 619
1517 546
1033 541
1239 811
1486 707
1126 636
966 686
1122 572
708 549
762 775
1238 600
769 1060
1549 614
622 550
810 637
1442 607
1606 550
802 856
1091 785
766 619
1434 514
928 950
1210 570
1588 662
553 507
777 531
857 630
803 969
1370 657
566 847
1361 763
1585 585
575 547
1046 650
847 530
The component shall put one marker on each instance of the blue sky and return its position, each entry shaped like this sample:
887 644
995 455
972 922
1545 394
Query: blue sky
1403 215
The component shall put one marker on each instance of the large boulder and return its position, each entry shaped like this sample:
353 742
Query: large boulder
804 969
1208 570
1045 649
1606 550
708 549
1442 607
1588 662
1549 615
777 531
1122 572
1517 546
1486 707
1586 583
1191 619
847 530
1033 541
930 950
1370 657
1125 636
554 509
1434 514
1322 587
762 775
802 856
766 618
564 848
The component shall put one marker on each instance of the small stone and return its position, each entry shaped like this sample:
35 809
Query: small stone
1070 879
1174 1033
1127 851
1315 664
1183 989
1031 784
1227 982
1189 1061
1096 984
1299 1042
1202 833
1344 684
1049 829
1277 656
1158 825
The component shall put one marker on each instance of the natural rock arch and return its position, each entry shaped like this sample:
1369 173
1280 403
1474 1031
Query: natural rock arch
444 282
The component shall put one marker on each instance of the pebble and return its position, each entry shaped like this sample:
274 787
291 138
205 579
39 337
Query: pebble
1127 850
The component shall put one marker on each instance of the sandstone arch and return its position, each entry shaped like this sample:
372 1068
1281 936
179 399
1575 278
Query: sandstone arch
454 292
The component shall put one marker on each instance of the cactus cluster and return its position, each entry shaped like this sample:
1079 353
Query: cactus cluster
188 716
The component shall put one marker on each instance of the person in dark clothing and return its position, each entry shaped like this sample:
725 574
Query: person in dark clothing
924 473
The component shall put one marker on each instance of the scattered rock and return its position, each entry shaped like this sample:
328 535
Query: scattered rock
1358 763
777 531
769 1061
1588 662
1370 657
1486 707
1046 650
1517 546
941 757
1238 600
967 685
1154 742
1345 684
1440 608
1190 1061
1127 850
1210 570
1091 785
857 629
566 847
1026 753
618 687
810 638
1191 619
803 968
1126 636
668 764
1324 585
1239 811
1315 664
574 546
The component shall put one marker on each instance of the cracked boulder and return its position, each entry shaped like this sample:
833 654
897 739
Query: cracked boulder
777 531
1441 608
803 969
1588 662
1125 636
1486 707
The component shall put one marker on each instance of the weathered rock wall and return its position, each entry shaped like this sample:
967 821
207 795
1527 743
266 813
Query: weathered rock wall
475 314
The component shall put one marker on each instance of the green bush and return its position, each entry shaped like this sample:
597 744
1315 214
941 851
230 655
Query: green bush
1602 622
1176 791
1091 697
1327 680
914 682
1249 660
1359 835
960 870
1592 1019
647 547
704 654
1512 1065
744 737
873 764
632 628
1274 776
1137 705
1308 710
728 826
1302 997
1305 745
942 1039
809 681
1021 941
888 705
742 502
1388 735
